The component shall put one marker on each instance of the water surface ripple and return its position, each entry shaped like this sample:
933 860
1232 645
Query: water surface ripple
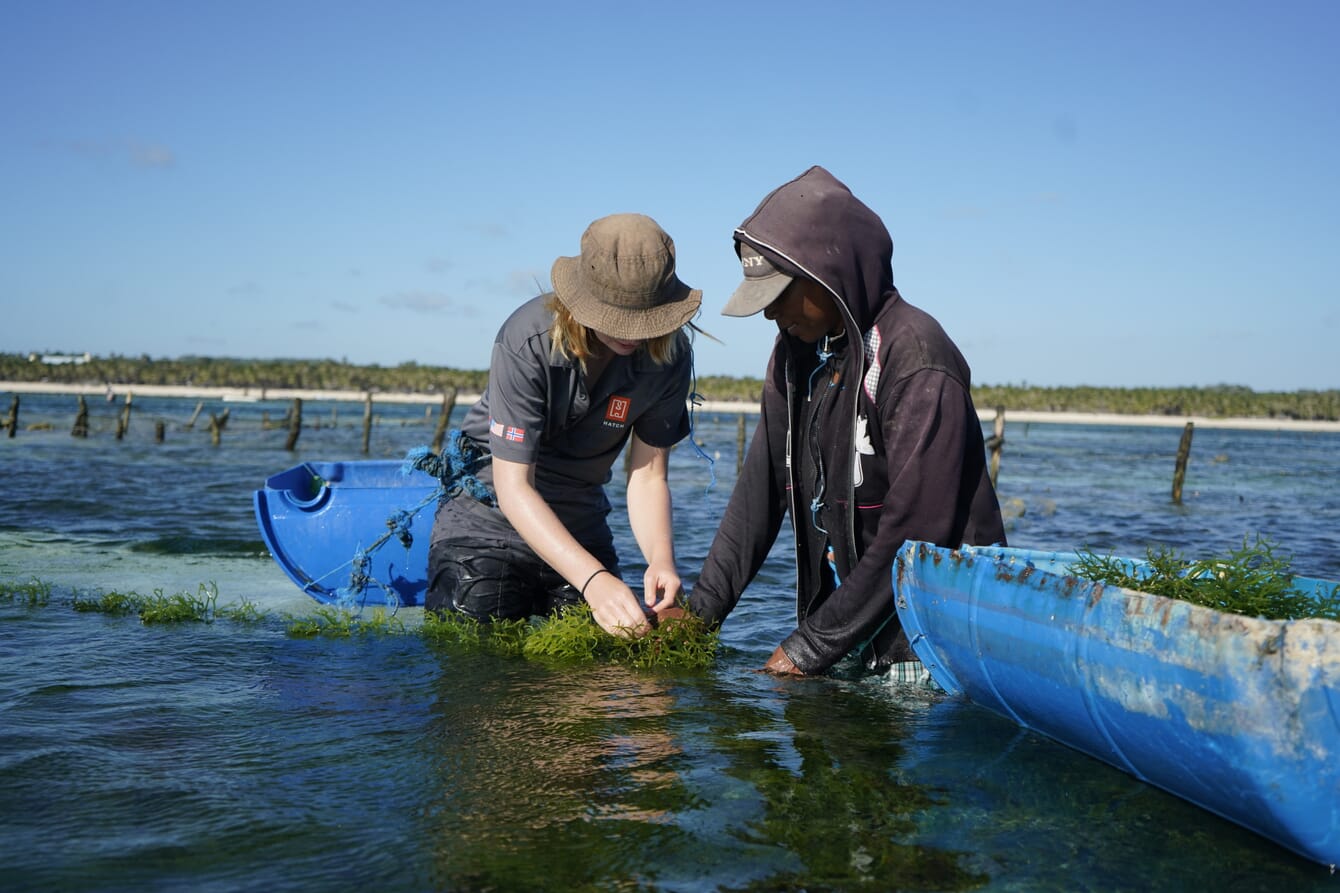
228 756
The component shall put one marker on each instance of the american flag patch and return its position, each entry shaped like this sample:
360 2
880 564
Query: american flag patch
495 428
516 435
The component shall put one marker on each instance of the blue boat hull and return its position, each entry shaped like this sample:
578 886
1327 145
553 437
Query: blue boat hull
318 517
1238 715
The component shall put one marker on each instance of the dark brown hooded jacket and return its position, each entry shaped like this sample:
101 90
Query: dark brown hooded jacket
866 441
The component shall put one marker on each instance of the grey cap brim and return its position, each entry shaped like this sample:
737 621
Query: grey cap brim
754 294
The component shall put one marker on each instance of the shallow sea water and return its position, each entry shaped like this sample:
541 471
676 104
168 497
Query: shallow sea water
229 756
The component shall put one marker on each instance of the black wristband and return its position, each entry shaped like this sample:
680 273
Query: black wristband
603 570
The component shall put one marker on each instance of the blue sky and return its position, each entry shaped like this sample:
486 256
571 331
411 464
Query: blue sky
1111 194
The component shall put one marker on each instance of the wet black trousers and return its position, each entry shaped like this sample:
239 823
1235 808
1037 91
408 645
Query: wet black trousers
496 577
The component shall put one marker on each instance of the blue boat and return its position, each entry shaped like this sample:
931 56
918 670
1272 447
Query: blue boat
351 533
1238 715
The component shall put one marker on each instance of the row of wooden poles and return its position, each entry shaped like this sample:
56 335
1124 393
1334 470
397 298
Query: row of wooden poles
995 444
218 421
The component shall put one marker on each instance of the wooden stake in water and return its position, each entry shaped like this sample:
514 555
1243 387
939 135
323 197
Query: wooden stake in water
12 423
216 426
444 419
995 443
739 445
80 428
294 424
367 422
195 415
1183 452
123 422
160 429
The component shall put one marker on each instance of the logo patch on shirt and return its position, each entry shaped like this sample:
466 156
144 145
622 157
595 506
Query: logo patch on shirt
495 427
617 410
863 448
516 435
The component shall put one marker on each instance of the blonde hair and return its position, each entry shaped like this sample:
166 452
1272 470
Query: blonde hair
572 340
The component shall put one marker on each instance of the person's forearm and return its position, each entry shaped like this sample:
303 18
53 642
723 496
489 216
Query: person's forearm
545 533
650 516
612 603
649 504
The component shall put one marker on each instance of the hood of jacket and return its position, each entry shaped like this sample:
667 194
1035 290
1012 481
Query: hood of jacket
813 226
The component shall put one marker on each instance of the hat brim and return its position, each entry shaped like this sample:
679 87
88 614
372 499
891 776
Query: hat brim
754 295
625 324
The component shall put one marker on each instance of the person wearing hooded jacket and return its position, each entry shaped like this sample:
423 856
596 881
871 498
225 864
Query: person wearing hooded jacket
867 435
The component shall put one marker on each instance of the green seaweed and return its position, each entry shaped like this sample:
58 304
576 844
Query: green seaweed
1252 581
243 612
571 636
333 622
114 603
34 592
180 607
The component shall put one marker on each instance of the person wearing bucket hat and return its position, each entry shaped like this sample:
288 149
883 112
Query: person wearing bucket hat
867 434
603 360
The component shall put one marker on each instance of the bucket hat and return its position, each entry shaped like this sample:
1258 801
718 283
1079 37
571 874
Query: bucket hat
623 284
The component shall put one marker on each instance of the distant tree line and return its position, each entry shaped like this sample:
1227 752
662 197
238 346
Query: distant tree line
225 372
1219 401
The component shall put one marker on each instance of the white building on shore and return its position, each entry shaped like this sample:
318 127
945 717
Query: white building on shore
61 359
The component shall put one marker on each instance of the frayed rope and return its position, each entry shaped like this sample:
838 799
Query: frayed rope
455 471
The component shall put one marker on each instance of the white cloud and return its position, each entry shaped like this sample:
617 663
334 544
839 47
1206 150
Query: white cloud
417 302
488 229
138 153
151 155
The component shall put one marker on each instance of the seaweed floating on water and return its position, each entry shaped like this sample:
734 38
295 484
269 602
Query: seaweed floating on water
1252 581
332 622
573 636
34 593
570 636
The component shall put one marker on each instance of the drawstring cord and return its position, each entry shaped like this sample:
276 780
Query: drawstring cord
825 352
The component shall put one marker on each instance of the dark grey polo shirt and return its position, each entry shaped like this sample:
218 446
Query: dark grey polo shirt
536 410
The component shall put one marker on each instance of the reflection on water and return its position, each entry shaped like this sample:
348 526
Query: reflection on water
579 766
625 778
228 756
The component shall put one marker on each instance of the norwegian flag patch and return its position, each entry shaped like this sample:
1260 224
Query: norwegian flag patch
516 435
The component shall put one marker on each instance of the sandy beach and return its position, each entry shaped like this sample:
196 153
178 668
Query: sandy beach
251 395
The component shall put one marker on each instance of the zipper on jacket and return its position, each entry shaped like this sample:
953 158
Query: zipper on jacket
812 439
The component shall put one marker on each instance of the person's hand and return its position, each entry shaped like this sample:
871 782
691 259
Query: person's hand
780 665
615 607
670 612
661 586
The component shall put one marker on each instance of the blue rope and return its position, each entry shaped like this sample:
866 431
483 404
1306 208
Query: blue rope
455 470
696 400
